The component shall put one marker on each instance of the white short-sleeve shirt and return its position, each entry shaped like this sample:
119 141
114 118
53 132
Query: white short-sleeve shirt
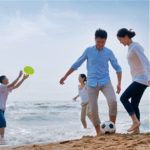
139 63
83 94
4 92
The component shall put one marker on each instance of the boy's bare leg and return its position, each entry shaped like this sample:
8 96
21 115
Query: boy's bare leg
2 131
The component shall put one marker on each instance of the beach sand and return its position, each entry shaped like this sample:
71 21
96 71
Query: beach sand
103 142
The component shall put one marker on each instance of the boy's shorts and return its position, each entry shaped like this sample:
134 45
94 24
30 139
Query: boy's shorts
2 119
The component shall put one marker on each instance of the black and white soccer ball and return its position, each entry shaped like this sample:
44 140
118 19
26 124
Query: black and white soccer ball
108 127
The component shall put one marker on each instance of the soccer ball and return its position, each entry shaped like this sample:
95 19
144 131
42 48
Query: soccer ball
108 127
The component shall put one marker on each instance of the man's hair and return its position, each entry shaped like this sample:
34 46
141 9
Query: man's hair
2 78
100 33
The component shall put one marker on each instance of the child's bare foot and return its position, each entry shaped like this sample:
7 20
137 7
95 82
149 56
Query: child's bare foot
2 141
134 126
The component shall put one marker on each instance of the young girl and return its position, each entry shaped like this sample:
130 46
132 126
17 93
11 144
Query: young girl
84 98
140 71
5 89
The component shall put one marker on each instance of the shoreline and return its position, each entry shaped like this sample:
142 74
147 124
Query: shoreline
104 142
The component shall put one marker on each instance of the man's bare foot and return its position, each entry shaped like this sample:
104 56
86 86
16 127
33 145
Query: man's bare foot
99 134
98 130
134 126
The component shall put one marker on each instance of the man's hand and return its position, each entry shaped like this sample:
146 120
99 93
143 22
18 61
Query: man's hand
118 88
20 74
25 76
70 71
62 80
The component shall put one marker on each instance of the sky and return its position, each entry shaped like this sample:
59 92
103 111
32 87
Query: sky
51 35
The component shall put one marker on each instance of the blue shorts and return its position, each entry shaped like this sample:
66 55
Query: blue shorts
2 119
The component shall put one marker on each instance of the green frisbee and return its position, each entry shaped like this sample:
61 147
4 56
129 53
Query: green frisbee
29 70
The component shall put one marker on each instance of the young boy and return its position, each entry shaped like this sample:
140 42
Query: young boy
5 89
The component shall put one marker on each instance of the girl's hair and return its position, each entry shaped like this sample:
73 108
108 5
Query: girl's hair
125 32
2 78
84 77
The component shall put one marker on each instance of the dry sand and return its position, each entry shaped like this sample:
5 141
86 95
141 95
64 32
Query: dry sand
103 142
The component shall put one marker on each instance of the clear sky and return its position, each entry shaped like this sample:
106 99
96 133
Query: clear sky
51 35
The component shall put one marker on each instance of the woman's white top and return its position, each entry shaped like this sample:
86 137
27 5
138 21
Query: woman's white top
83 93
139 63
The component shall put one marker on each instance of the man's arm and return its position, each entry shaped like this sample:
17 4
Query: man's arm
119 77
74 67
20 82
118 69
15 81
70 71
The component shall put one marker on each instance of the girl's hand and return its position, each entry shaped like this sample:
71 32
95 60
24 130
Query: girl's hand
75 98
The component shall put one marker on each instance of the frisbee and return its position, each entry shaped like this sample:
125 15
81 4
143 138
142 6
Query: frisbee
29 70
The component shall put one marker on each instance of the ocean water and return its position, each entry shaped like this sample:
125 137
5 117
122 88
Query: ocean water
40 121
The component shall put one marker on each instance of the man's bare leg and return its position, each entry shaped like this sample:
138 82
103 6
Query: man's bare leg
98 130
113 118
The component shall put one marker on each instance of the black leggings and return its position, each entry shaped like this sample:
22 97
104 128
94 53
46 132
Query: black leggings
135 92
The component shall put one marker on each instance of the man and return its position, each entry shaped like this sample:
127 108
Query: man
98 57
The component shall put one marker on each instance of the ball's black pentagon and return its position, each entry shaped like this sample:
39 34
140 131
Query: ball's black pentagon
111 126
103 126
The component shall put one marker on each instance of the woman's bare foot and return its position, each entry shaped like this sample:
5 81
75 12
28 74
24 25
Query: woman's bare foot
136 131
134 126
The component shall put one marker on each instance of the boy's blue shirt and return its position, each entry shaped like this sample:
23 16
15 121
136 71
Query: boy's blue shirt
97 65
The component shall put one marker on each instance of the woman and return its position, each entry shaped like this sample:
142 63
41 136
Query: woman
83 94
140 71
